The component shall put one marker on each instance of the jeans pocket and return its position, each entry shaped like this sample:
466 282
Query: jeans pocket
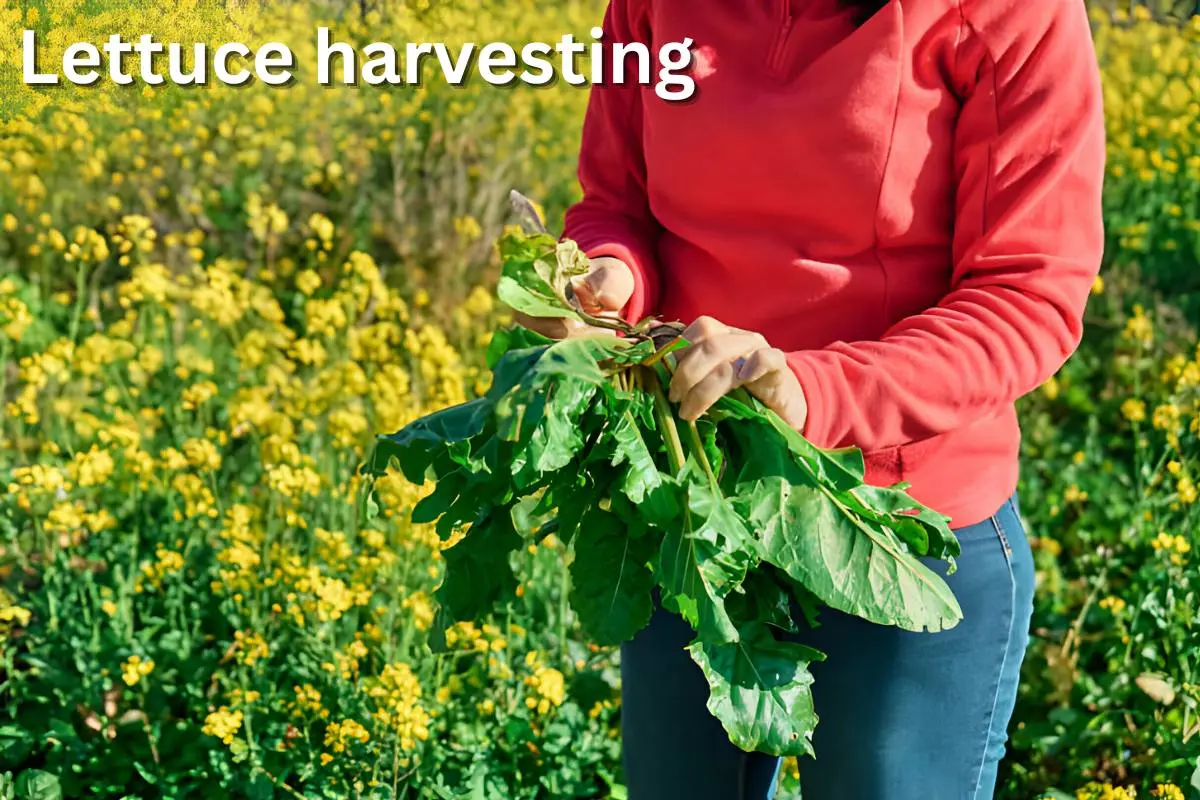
1010 530
1002 535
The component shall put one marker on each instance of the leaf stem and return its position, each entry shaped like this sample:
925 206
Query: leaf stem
698 450
662 352
608 323
666 418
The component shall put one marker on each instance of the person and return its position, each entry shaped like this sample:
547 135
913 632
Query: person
882 217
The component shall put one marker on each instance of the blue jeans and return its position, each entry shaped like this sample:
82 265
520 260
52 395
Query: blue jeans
903 716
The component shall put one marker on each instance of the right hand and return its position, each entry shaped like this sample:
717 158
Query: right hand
602 291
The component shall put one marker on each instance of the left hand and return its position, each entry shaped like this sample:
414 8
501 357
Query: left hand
719 358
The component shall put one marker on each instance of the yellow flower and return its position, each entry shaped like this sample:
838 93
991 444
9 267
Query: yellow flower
468 228
223 724
1105 791
1139 328
134 669
167 562
421 608
11 615
197 394
1186 489
308 281
91 468
548 689
1167 791
308 701
397 694
1133 410
201 454
249 648
66 517
338 735
1114 604
42 478
15 318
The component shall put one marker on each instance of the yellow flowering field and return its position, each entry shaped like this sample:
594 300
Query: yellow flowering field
212 300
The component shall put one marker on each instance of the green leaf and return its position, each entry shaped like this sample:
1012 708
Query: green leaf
531 279
764 598
478 572
641 475
927 532
572 261
761 691
534 299
705 559
515 337
421 443
636 448
610 581
35 784
839 470
853 565
559 437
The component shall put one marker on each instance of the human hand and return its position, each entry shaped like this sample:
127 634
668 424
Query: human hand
603 291
719 358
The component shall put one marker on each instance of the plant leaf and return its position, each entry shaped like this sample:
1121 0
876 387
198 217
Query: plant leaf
610 581
927 532
761 691
706 558
423 442
515 337
853 566
478 572
532 300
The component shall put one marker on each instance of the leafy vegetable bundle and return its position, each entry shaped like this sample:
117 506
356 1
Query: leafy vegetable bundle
736 519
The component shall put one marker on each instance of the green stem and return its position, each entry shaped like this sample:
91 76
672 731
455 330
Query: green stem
666 418
609 324
3 372
698 450
563 607
77 313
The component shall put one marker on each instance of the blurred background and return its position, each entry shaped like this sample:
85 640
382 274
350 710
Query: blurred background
210 302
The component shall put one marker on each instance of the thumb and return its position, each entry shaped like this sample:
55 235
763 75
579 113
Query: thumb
606 287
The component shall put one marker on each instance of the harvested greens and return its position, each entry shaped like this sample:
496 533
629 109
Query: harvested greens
736 519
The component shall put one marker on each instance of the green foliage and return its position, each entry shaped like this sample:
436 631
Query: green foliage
582 426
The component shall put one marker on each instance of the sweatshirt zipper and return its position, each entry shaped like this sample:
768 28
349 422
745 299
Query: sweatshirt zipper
775 60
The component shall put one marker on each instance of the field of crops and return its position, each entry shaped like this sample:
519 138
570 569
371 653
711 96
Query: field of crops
212 300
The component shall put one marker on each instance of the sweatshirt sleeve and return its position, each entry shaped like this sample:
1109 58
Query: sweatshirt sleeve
613 217
1028 241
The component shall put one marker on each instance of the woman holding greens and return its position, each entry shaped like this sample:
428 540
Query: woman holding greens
884 220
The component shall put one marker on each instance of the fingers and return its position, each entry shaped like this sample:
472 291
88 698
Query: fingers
711 388
552 327
717 360
704 355
606 288
761 363
704 328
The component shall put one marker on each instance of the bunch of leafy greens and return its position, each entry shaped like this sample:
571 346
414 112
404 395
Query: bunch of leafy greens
736 519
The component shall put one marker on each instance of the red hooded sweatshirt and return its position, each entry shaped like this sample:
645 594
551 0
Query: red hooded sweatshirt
910 208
